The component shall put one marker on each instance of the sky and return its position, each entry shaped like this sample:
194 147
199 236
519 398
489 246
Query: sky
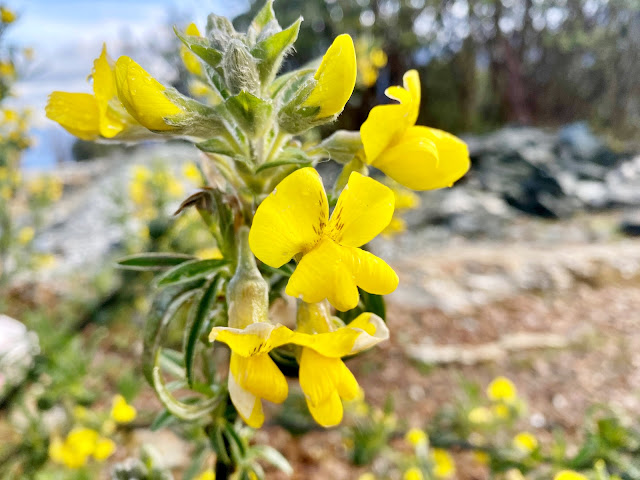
67 35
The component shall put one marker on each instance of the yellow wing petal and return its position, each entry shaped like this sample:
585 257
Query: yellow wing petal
453 154
371 273
374 331
411 81
413 161
259 376
324 273
336 77
190 59
143 96
104 89
324 380
382 127
75 112
291 219
249 406
364 209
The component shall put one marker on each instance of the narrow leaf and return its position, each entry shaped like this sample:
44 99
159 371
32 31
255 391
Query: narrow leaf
201 47
190 270
271 51
289 156
152 261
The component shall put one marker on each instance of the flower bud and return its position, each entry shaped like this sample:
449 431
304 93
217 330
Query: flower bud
240 70
247 292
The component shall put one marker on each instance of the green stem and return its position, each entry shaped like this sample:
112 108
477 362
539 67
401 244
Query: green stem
278 141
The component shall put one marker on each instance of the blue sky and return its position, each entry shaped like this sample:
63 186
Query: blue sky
67 35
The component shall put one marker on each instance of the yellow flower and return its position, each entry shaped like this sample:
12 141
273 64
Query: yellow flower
92 116
367 476
208 475
192 173
416 437
480 415
7 16
10 115
293 221
501 410
104 449
501 389
443 464
414 473
324 378
209 253
525 442
253 376
335 77
481 457
190 59
418 157
121 411
138 192
569 475
141 173
7 69
25 235
143 96
74 451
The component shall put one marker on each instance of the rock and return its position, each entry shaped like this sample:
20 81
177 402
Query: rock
18 348
630 225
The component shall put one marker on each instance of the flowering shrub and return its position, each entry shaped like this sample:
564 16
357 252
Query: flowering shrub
277 228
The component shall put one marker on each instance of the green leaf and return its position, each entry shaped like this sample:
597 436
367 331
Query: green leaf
341 147
217 145
289 156
199 312
264 16
288 84
163 309
152 261
190 270
271 51
274 457
252 113
201 47
220 31
162 420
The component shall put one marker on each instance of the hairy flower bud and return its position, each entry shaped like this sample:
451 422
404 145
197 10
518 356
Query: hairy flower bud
240 70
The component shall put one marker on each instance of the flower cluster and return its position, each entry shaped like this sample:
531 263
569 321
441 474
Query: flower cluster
278 230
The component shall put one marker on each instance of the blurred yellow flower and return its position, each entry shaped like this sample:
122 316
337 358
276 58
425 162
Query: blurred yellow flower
190 59
525 442
413 473
74 451
104 448
501 410
480 415
210 253
416 437
443 464
481 457
121 411
7 16
569 475
207 475
501 389
367 476
192 173
25 235
7 69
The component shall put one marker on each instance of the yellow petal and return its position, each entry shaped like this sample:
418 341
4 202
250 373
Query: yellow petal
411 81
104 89
453 156
324 273
104 449
569 475
121 411
324 381
190 59
382 127
362 333
413 161
257 338
249 406
75 112
259 376
336 77
143 96
501 389
291 219
364 209
334 272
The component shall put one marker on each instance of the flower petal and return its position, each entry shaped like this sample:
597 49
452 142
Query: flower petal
291 219
364 209
383 125
372 274
143 96
411 81
75 112
259 376
324 273
190 59
336 77
324 380
249 406
257 338
453 155
413 161
104 89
